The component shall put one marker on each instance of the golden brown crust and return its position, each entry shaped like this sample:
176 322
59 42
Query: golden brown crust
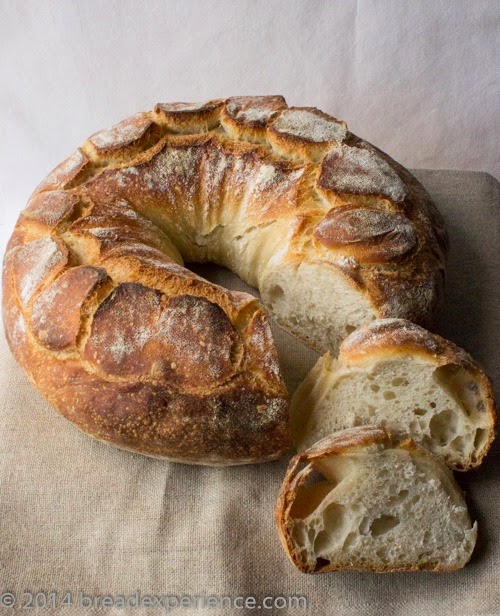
241 421
160 185
247 117
57 311
46 210
297 475
35 263
305 133
385 336
69 172
368 234
125 139
189 117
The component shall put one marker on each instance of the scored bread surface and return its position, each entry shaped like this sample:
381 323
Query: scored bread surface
137 350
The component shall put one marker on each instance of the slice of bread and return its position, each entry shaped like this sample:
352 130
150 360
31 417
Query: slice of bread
400 376
377 506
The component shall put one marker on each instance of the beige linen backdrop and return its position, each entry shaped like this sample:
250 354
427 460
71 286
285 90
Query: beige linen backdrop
78 516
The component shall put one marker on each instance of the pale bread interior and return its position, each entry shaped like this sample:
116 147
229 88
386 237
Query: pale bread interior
316 303
382 509
441 408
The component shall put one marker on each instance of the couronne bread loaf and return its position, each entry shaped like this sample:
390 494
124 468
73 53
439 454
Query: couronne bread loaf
393 373
138 351
358 501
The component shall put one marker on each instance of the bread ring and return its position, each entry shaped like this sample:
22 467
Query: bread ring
140 352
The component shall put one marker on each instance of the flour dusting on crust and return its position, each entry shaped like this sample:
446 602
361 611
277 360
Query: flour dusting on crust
123 133
257 110
375 234
50 208
360 171
64 173
309 125
33 263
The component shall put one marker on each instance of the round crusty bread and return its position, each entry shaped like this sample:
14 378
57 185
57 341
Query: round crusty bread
418 385
140 352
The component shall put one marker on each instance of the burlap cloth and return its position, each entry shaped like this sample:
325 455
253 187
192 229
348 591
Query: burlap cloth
79 516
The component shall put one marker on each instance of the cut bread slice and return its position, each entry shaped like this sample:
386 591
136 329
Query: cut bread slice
322 320
398 375
378 506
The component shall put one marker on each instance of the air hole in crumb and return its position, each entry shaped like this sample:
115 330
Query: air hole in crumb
399 497
432 405
350 540
455 380
443 426
364 526
349 329
382 554
371 410
419 411
389 395
334 520
458 444
397 382
375 388
383 524
480 438
276 293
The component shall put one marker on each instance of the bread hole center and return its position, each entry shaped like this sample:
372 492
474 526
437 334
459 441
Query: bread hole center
401 496
334 523
383 524
349 542
443 427
276 293
458 385
458 445
480 438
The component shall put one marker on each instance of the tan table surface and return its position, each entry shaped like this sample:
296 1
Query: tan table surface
79 516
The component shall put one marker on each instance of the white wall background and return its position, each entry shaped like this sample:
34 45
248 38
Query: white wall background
419 78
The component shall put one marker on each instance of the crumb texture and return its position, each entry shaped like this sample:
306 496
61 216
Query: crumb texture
395 374
376 507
